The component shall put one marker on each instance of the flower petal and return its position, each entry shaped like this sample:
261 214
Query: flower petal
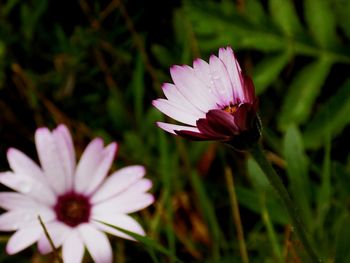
192 88
13 200
131 200
171 128
97 243
22 239
22 164
27 185
221 81
50 160
73 247
123 221
172 93
118 182
57 232
234 71
66 153
173 110
222 122
102 170
17 219
88 164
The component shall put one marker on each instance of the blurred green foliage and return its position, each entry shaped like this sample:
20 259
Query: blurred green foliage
97 65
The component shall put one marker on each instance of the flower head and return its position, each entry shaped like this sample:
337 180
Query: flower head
70 198
215 100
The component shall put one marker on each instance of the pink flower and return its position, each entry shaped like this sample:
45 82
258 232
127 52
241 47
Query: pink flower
215 100
69 197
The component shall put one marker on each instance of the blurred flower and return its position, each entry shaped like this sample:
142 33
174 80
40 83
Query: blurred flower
69 197
215 100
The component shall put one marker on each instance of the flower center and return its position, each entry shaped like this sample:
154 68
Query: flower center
232 108
73 209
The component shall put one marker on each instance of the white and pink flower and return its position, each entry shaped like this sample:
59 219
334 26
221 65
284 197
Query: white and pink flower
214 100
70 197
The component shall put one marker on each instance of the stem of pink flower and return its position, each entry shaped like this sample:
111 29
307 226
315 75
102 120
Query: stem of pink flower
236 215
54 249
276 182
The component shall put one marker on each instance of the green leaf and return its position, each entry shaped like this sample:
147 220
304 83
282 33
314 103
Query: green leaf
342 11
268 70
297 170
148 242
138 88
252 200
285 17
257 176
321 21
303 91
342 243
331 119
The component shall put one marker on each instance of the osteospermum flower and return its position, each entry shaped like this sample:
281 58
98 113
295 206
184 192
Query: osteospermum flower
215 100
69 197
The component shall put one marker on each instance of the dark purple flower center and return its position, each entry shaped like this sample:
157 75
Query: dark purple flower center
73 209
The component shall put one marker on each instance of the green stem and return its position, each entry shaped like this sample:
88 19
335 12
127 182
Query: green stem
259 156
236 215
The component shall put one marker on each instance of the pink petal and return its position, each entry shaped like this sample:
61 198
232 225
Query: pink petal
131 200
27 185
202 71
22 164
103 168
22 239
173 110
123 221
17 219
57 232
221 80
50 159
123 205
171 128
234 71
73 248
66 152
97 243
192 88
172 93
118 182
13 200
88 164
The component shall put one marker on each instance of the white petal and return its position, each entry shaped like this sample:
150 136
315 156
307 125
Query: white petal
123 221
88 164
123 204
202 71
73 248
16 219
27 185
22 239
192 88
13 200
172 93
50 160
118 182
131 200
22 164
234 71
57 232
103 168
97 243
66 152
171 128
173 110
221 81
